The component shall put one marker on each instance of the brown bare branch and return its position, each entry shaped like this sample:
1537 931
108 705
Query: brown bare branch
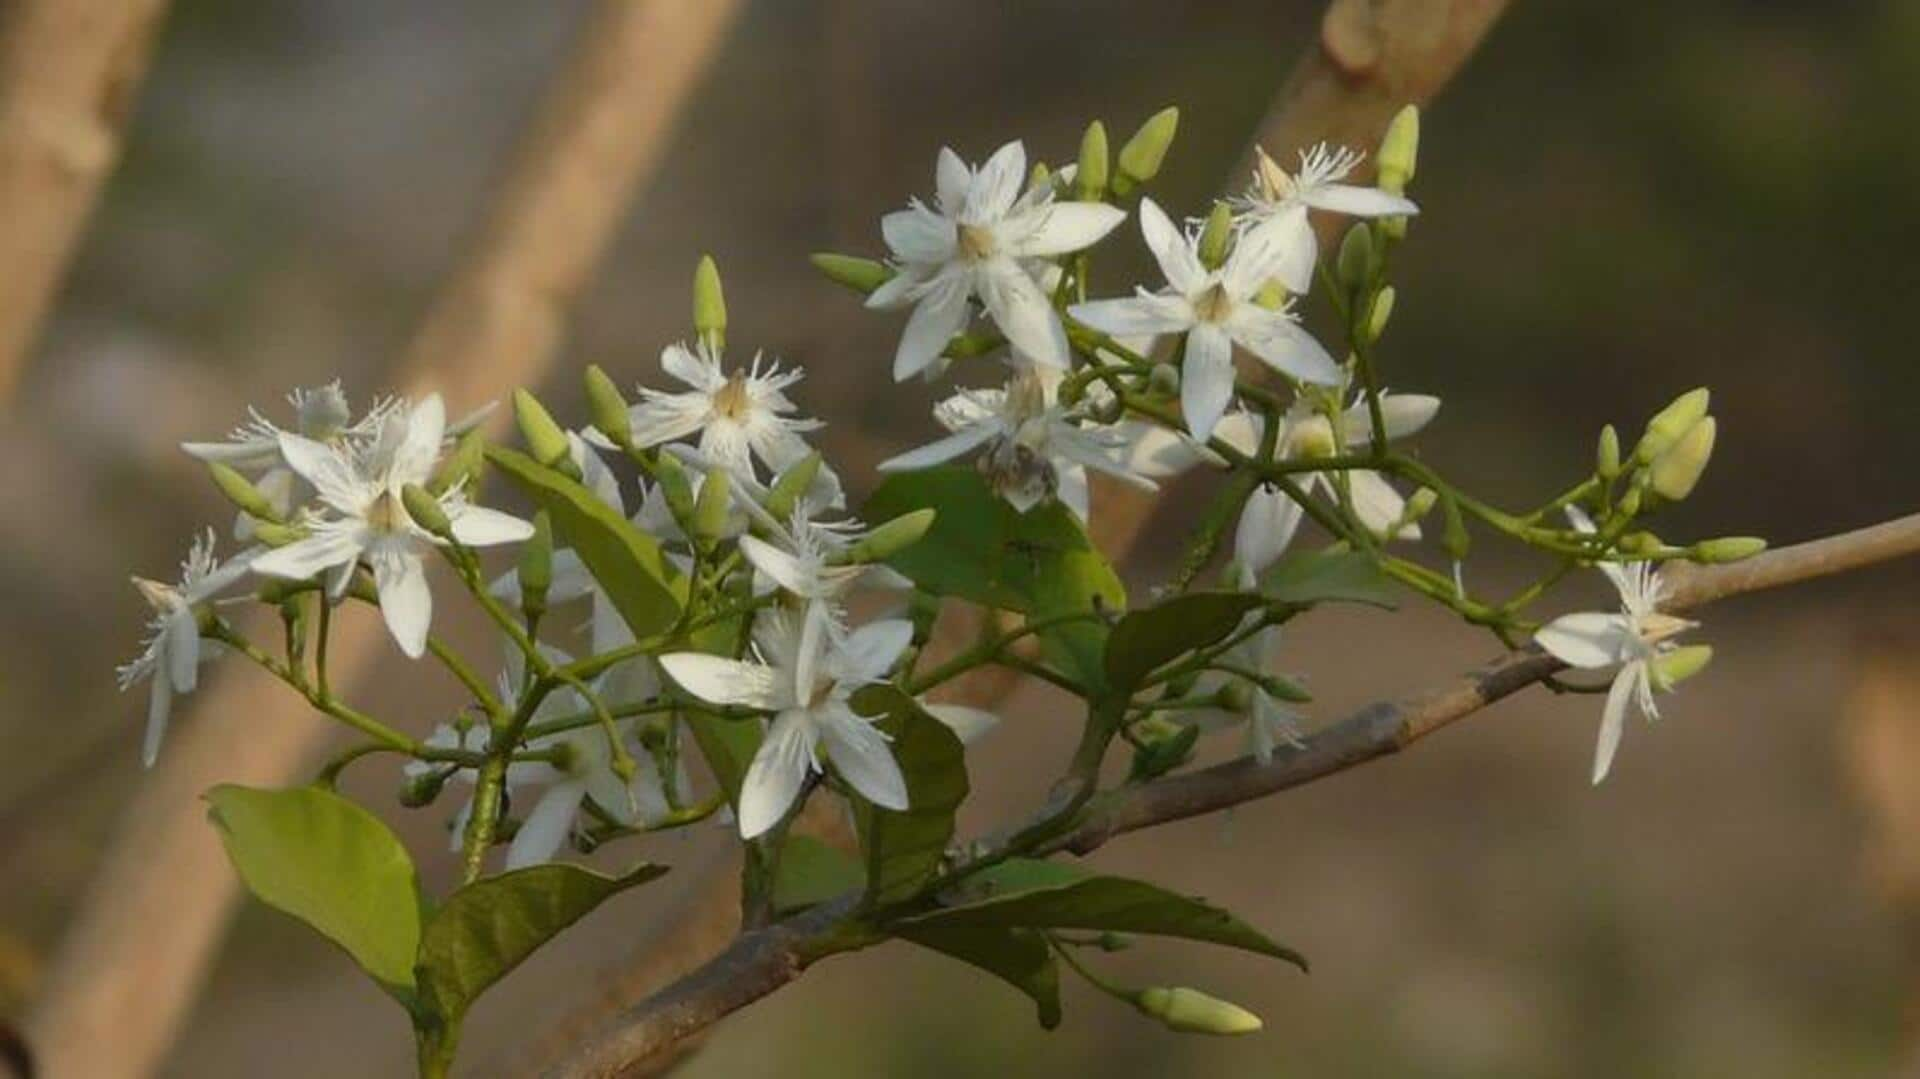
146 930
69 70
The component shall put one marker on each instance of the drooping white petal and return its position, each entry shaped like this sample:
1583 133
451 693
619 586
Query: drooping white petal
967 724
996 185
1146 313
1178 261
862 756
870 652
1379 506
159 706
941 450
918 235
547 827
783 567
1068 226
1206 379
1073 491
1358 201
1266 528
1022 312
478 526
718 680
1587 639
405 600
1613 720
941 313
179 643
779 767
1405 414
1301 250
1283 345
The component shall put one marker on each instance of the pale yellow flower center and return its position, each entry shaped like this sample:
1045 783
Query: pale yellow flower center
732 401
1214 305
976 243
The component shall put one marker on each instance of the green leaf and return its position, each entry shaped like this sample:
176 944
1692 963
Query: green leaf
1146 640
1329 575
813 872
331 864
488 927
981 549
624 560
903 849
1024 896
727 745
1020 957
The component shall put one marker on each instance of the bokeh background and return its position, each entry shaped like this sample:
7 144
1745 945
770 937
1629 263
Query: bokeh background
1621 201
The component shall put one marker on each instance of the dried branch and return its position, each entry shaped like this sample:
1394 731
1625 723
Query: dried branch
145 932
68 73
758 963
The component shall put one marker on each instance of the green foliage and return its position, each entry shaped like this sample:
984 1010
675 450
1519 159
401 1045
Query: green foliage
626 561
1020 957
331 864
1329 575
813 872
1030 894
903 849
1148 639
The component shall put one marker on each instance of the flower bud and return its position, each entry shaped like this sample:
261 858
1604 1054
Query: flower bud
709 304
607 408
1163 747
1642 542
461 469
277 535
1672 668
1606 456
1272 296
1629 504
1727 549
860 275
1163 379
242 493
1233 696
1670 423
1381 312
1142 156
1454 538
535 570
1192 1012
426 510
710 508
546 442
791 484
1217 236
421 790
1090 179
891 538
1677 471
675 487
1419 504
1040 176
1399 151
1358 260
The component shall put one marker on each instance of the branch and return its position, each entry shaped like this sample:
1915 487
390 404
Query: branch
143 935
68 74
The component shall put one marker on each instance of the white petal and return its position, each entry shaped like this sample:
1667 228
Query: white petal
478 526
870 651
1206 379
1074 491
1131 316
1260 256
784 568
405 600
1359 201
1613 721
967 724
862 756
779 768
996 185
1242 431
1589 639
903 288
941 450
1176 256
669 416
691 369
1069 226
1266 527
718 680
323 467
941 313
419 448
1022 312
159 705
918 235
1405 414
1379 506
1294 236
1159 453
180 649
547 827
302 559
951 178
1283 345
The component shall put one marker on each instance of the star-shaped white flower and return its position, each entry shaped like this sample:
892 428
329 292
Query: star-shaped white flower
807 691
971 243
360 486
170 657
1216 310
1633 638
1035 446
1278 203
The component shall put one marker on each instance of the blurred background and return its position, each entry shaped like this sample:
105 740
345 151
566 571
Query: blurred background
1621 201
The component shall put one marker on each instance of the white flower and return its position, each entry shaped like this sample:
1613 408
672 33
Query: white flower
807 690
1267 525
1269 722
1278 203
740 417
972 243
1634 638
360 486
173 651
1215 309
1035 446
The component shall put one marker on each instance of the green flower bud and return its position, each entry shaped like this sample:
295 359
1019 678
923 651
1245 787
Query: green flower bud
1670 423
546 442
1192 1012
675 486
1606 456
791 484
1163 379
426 510
710 510
1420 504
1672 668
1642 542
1234 696
1454 538
1677 471
1358 261
607 408
1217 236
1272 296
277 535
242 493
1146 151
421 790
461 470
860 275
1090 178
1381 312
1165 747
1399 151
1629 504
1039 176
891 538
709 303
1727 549
536 566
